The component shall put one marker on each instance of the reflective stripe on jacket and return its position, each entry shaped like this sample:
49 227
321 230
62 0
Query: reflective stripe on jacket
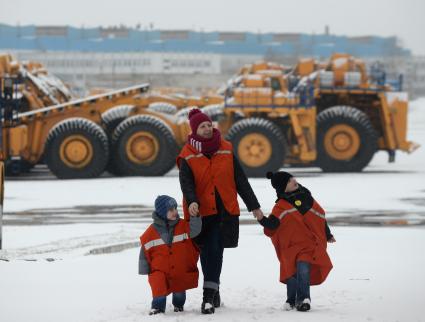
300 238
216 173
173 267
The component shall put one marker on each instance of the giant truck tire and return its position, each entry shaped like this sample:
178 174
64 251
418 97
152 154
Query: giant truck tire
259 145
346 139
76 148
214 111
163 107
143 145
114 116
110 120
184 112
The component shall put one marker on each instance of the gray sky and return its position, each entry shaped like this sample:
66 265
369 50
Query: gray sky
404 19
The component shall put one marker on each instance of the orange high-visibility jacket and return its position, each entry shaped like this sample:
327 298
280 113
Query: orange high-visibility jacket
210 174
300 238
172 266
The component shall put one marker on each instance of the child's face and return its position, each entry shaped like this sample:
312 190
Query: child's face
292 185
172 214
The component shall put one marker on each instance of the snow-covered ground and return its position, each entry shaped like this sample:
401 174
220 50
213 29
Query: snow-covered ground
50 276
377 276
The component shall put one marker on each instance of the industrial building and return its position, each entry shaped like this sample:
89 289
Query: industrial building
119 56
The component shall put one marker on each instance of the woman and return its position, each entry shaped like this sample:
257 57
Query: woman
210 179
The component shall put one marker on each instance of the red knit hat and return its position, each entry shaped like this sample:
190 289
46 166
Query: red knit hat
196 117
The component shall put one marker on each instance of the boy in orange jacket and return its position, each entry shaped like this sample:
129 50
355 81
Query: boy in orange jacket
168 256
299 233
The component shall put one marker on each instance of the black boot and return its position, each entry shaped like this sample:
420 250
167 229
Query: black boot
178 309
207 306
304 306
217 299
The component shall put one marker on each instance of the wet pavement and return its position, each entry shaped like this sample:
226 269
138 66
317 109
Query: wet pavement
142 214
40 172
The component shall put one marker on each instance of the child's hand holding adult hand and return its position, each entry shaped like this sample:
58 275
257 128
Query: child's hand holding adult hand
258 213
193 209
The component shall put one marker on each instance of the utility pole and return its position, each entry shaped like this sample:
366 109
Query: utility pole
1 160
8 105
1 194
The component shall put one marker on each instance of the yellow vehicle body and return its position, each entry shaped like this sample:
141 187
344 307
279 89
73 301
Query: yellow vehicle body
271 122
351 112
26 138
386 108
300 135
45 102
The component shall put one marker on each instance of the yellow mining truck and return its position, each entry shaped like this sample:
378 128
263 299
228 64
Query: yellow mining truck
269 126
43 121
311 114
359 113
39 88
353 116
70 137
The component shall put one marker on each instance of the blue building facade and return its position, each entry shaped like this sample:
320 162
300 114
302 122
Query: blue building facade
121 39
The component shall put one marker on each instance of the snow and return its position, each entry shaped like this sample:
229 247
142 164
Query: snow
377 276
254 77
48 274
339 62
392 96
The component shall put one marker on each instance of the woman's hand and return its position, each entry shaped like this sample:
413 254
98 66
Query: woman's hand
258 213
193 209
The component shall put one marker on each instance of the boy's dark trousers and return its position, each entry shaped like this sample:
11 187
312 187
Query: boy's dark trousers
160 302
298 286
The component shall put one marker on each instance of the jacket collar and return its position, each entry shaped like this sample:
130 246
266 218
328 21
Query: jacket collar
157 220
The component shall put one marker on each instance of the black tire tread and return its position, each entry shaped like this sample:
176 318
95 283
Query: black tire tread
214 111
110 120
80 126
112 117
184 112
265 126
368 135
165 134
116 112
163 107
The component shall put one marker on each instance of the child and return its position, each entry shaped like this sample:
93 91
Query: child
168 255
299 232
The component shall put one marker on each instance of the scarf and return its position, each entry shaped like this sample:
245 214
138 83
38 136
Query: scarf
301 199
205 146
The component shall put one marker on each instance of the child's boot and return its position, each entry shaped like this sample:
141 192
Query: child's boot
304 306
154 311
288 306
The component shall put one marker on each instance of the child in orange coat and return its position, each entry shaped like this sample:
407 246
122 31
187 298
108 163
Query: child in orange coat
168 255
299 232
